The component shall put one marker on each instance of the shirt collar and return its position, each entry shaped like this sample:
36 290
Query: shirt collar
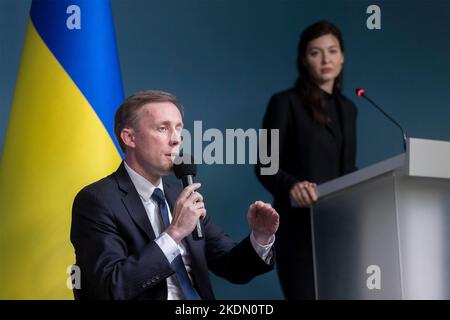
327 95
144 187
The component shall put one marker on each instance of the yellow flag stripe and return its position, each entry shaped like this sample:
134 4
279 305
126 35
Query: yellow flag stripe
55 144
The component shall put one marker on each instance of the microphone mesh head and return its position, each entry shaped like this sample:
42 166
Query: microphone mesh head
183 168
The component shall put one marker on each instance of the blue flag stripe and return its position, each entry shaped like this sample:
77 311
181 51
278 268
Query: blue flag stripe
88 54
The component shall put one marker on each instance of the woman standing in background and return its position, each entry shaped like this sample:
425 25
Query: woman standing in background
317 131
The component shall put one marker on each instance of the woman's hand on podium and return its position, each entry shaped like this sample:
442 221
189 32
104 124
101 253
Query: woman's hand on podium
304 193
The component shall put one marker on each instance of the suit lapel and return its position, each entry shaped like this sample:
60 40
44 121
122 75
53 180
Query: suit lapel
171 192
331 127
133 202
345 112
345 116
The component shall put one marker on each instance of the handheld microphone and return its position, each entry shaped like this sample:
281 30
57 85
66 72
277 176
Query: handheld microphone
186 173
360 93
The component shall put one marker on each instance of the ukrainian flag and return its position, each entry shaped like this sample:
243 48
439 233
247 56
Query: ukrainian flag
60 138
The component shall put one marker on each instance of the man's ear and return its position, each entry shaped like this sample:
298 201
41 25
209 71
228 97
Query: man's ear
127 136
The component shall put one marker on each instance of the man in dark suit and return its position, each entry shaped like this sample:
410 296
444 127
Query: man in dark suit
132 230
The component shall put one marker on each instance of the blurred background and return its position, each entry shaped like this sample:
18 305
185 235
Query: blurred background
225 58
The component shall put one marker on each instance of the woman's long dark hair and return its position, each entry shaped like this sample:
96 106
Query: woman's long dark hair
310 93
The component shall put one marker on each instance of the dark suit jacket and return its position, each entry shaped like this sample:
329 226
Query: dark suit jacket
306 148
113 241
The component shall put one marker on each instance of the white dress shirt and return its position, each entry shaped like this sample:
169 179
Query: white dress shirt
169 247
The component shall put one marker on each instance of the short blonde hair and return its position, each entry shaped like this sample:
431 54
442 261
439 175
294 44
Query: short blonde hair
127 114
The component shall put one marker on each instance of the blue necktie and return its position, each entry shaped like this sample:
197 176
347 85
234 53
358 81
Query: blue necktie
177 264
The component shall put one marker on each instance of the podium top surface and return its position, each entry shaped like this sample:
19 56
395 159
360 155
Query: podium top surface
375 170
423 158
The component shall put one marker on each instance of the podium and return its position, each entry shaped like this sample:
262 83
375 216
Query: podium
383 232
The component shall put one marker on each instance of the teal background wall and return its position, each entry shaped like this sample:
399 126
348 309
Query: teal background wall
224 59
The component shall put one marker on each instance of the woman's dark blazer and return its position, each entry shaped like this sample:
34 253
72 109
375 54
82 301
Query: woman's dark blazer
306 150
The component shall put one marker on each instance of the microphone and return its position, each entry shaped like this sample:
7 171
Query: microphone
186 173
360 93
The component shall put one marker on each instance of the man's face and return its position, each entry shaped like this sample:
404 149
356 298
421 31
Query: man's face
157 137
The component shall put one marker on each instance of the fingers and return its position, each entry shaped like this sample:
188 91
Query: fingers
299 195
189 207
263 220
200 208
186 193
198 204
312 191
296 194
190 198
262 207
305 193
202 212
195 197
259 205
195 201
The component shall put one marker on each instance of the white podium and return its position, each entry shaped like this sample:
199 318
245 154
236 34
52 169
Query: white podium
383 232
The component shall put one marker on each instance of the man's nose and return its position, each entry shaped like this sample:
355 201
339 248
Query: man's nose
175 138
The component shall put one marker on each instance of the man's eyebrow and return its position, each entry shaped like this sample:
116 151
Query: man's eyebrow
168 122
